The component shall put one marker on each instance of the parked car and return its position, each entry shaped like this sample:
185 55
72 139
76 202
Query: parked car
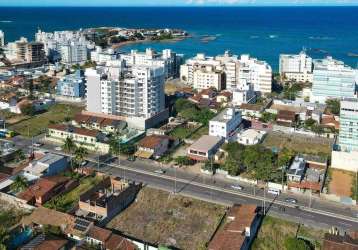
58 148
38 144
291 200
274 191
131 158
237 187
159 171
84 163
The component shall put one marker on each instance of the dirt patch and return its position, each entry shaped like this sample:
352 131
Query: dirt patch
341 183
166 219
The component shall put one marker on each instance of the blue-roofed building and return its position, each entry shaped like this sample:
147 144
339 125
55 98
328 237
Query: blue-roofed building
72 85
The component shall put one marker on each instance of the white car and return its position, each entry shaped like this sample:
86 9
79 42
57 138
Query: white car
38 144
237 187
58 148
159 171
84 163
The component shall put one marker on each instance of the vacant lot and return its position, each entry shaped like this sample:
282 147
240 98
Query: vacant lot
299 143
66 202
341 183
38 123
162 218
274 232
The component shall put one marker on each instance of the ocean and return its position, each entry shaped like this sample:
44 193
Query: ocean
262 32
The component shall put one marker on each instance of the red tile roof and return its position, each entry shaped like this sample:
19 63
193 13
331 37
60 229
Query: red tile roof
74 130
152 141
99 234
116 242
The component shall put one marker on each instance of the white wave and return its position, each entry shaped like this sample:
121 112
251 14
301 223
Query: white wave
273 36
5 21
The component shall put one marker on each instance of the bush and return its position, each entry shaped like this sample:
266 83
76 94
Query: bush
184 161
292 243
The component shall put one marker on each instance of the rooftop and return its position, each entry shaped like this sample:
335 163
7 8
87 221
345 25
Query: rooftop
297 167
152 141
205 143
226 115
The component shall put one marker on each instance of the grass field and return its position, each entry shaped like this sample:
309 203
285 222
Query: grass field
166 219
274 232
38 123
298 143
65 202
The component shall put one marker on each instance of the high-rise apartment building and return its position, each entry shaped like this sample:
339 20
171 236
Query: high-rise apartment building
169 60
238 72
348 132
136 93
2 39
208 77
332 79
74 53
24 51
296 67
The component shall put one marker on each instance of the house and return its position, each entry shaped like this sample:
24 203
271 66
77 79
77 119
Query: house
90 139
105 125
345 242
239 230
224 97
73 85
262 126
46 242
250 136
225 123
48 165
205 148
330 121
251 110
153 146
107 240
286 118
107 199
297 170
46 188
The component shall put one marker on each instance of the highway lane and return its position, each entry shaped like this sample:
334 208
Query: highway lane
219 190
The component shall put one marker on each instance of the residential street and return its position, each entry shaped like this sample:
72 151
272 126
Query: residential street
317 212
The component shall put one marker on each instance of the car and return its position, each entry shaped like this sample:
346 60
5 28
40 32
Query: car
84 163
291 200
38 144
159 171
58 148
131 158
237 187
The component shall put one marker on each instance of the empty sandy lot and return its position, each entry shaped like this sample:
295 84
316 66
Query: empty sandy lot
341 183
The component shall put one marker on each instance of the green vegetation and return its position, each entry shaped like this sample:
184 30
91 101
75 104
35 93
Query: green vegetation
37 124
28 109
181 132
65 202
191 112
291 92
116 148
355 188
280 234
163 36
257 161
268 117
184 161
19 184
333 106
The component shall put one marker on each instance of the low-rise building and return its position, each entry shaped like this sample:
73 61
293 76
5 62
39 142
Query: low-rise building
90 139
297 170
205 148
225 123
250 136
239 230
46 188
73 85
286 118
48 165
107 199
153 146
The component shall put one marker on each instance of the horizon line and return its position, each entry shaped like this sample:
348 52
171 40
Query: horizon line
178 6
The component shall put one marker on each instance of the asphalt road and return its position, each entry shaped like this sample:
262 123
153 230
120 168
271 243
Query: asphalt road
309 210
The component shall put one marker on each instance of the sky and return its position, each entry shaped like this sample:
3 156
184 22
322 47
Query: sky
176 2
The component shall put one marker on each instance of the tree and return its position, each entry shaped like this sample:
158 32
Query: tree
184 161
309 123
267 117
69 146
80 154
334 106
232 167
4 237
28 109
318 129
114 146
127 149
295 244
19 184
182 104
284 157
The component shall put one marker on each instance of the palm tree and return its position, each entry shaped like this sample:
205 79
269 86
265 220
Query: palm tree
80 154
19 184
69 146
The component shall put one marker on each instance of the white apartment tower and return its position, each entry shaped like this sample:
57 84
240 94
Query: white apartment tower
2 39
208 77
296 67
74 53
238 73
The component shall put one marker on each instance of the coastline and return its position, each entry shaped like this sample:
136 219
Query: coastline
117 46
